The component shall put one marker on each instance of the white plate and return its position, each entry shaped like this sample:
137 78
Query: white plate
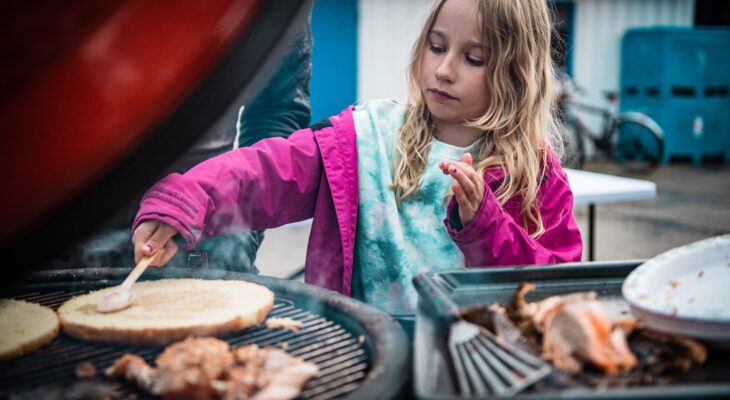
685 291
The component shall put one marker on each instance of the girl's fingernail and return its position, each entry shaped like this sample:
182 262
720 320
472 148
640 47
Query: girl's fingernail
147 248
453 170
441 164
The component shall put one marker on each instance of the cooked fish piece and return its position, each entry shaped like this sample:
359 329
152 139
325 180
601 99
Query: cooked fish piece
573 329
659 358
203 368
267 374
581 330
184 370
287 376
541 311
284 323
521 314
85 370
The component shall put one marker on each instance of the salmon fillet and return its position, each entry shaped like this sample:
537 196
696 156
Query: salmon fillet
576 329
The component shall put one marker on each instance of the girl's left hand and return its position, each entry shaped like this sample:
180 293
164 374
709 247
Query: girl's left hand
469 186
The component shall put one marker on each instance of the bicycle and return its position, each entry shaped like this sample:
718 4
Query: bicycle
633 139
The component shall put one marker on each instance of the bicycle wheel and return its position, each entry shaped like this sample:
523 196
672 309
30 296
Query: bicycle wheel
637 142
575 155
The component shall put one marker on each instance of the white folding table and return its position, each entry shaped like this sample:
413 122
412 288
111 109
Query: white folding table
592 188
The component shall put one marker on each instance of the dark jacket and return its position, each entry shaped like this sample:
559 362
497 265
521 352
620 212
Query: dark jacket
282 106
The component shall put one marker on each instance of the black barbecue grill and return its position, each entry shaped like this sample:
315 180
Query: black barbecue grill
193 63
361 352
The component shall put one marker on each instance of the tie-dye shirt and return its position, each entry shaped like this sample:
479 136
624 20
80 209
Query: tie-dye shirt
394 243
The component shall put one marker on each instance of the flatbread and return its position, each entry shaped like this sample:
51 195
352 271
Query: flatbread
25 327
168 310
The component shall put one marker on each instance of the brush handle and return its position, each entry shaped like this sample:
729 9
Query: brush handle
434 297
141 266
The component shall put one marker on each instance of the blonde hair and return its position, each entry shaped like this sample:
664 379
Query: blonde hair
519 122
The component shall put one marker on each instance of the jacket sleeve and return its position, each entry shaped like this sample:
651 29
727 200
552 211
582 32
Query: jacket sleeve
269 184
495 238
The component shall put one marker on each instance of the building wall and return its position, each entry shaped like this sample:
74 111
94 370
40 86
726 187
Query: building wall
599 26
386 32
333 86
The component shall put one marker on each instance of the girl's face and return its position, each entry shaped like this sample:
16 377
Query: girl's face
453 73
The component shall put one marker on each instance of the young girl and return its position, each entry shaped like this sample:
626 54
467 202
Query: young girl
465 175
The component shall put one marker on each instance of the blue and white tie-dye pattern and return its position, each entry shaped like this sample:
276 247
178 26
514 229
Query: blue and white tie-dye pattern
396 243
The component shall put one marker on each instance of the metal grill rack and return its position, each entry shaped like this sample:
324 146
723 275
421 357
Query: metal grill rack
340 356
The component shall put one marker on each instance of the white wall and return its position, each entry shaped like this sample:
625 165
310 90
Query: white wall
599 26
386 32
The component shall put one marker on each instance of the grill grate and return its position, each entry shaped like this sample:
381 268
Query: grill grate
340 356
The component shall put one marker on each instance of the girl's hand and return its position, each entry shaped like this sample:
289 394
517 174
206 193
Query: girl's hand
469 186
151 236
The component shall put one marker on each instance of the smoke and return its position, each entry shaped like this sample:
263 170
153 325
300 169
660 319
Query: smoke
112 249
233 252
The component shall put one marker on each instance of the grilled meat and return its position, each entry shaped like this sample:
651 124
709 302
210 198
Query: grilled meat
576 328
284 323
540 312
85 370
277 374
661 359
519 313
203 368
581 330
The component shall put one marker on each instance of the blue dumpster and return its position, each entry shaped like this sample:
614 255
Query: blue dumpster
679 76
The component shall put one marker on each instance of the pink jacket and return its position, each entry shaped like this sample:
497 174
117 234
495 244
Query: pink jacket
313 174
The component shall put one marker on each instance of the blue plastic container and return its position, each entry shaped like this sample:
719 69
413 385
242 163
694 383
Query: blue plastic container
680 77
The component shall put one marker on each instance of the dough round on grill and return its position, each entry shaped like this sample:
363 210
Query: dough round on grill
167 310
25 327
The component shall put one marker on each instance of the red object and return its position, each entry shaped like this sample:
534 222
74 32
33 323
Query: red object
83 83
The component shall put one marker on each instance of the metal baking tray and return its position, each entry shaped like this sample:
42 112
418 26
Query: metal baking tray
432 370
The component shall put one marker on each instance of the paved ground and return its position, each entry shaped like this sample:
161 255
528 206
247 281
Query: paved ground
692 203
